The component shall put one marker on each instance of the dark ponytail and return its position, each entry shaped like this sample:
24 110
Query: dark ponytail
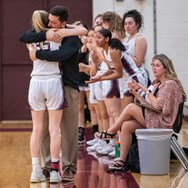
113 43
116 44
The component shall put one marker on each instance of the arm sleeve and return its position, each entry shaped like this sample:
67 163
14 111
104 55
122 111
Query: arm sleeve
32 36
67 49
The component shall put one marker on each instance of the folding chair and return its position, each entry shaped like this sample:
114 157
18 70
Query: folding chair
175 146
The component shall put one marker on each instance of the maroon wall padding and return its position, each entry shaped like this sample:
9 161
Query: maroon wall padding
15 65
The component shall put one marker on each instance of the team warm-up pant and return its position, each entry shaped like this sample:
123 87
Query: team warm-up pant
69 133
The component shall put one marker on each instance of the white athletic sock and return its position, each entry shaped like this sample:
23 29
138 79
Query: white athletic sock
55 160
35 164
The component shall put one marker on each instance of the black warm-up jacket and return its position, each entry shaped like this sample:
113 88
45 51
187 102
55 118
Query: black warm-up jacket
67 55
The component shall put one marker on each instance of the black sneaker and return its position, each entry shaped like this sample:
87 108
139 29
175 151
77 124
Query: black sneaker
81 135
118 166
46 172
68 175
69 184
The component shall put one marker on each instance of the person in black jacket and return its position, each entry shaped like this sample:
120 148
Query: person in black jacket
67 55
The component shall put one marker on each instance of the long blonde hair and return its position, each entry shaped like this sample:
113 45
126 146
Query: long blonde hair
115 22
170 71
40 20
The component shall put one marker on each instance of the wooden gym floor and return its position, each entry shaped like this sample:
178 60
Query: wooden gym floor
15 165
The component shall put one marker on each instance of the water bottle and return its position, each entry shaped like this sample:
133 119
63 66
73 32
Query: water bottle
117 149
